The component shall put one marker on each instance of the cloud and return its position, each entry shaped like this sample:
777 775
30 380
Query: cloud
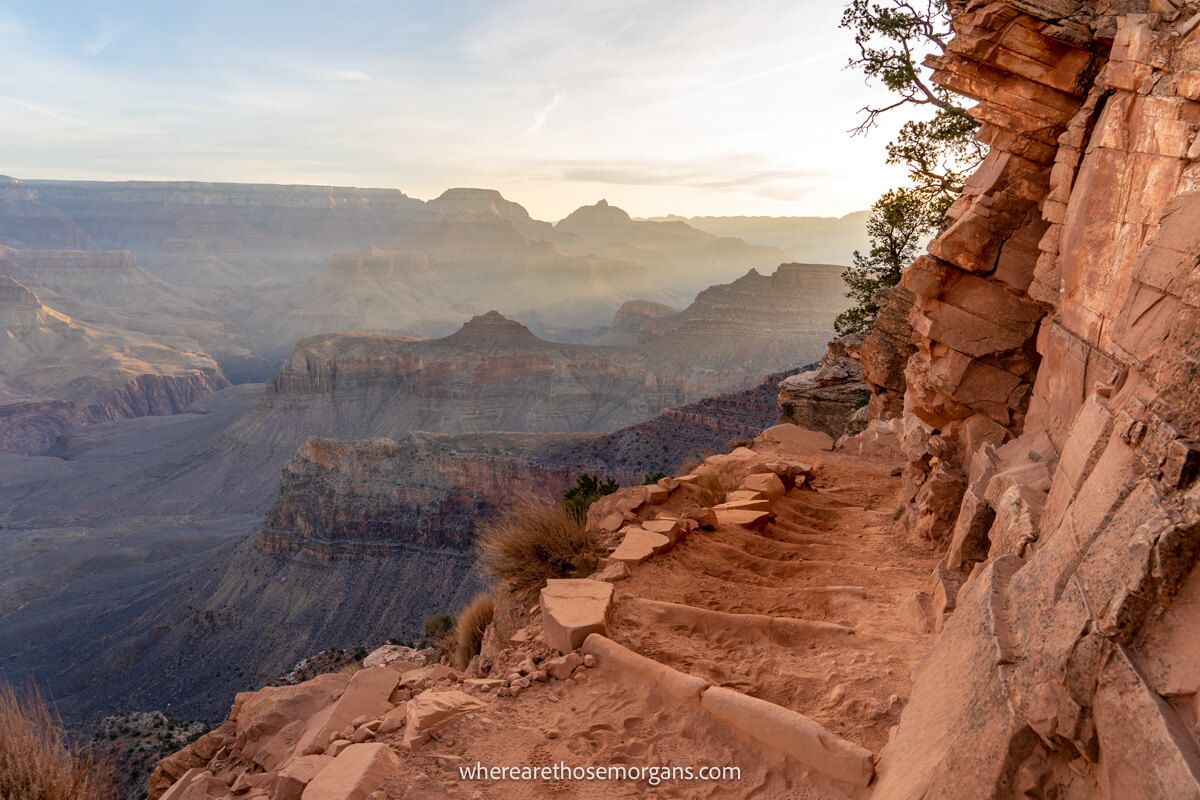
102 41
346 75
539 119
729 174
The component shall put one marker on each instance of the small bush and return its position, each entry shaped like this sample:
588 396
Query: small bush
38 762
533 541
468 631
693 462
437 626
709 491
587 490
653 477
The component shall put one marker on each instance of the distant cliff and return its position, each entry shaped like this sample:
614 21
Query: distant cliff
58 375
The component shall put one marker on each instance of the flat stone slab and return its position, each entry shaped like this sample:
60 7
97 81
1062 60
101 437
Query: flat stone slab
430 709
768 483
573 608
741 517
356 772
797 439
638 545
744 494
743 505
673 529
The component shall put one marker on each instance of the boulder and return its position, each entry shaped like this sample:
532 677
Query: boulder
611 572
297 774
429 710
366 695
797 440
574 608
562 666
395 656
196 784
673 529
766 483
430 674
272 721
357 771
742 517
704 517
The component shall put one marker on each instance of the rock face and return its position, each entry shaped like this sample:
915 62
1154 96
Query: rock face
886 351
781 319
376 497
110 287
491 375
637 316
825 398
811 240
1050 419
200 233
58 375
684 257
383 498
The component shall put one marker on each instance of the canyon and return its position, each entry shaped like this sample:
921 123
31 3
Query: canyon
990 591
58 375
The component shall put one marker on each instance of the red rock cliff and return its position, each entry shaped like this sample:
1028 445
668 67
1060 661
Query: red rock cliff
1050 417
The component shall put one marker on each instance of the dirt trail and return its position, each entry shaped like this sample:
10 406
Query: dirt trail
832 566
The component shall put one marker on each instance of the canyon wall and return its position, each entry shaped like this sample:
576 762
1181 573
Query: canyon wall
367 498
379 498
58 374
1050 419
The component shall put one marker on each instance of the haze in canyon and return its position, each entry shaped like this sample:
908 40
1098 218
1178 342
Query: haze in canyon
390 391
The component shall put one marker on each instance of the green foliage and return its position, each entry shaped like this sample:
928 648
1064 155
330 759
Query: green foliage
896 226
893 38
653 477
587 490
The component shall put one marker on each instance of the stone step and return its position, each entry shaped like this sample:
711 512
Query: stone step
790 732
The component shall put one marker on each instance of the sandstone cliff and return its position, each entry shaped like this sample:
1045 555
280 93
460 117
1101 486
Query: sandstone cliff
1050 418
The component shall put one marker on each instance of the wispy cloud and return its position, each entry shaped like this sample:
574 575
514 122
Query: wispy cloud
720 109
346 75
725 174
543 114
103 40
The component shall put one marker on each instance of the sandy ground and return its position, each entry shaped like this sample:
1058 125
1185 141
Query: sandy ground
832 555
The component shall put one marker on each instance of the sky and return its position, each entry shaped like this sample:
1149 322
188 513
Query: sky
690 107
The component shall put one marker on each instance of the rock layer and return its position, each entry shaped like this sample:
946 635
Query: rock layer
1050 418
58 374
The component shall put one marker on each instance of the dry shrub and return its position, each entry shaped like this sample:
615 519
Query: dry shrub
468 631
38 761
694 462
533 541
708 490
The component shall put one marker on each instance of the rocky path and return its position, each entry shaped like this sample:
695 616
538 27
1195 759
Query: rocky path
776 646
832 572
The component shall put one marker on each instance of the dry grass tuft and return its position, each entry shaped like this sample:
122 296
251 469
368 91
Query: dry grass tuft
468 631
533 541
693 462
38 761
708 490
